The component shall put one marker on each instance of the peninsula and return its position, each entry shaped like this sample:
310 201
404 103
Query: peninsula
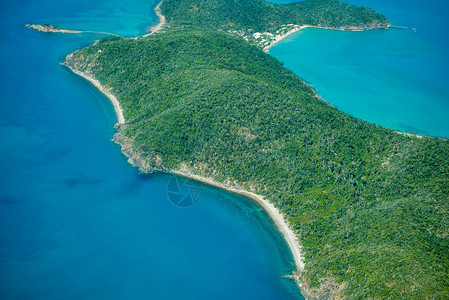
201 99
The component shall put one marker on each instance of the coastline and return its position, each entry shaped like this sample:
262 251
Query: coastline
277 218
161 23
279 38
262 196
134 158
117 108
410 134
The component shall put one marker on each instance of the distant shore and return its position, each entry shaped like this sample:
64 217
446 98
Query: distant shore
280 37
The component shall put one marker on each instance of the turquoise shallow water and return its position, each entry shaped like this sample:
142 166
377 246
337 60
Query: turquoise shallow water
76 220
395 78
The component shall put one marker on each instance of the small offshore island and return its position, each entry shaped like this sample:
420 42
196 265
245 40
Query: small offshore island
362 208
50 28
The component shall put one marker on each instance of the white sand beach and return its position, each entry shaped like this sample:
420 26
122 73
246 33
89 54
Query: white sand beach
283 36
161 23
279 38
117 108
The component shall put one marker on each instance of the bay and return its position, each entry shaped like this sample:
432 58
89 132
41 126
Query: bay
398 78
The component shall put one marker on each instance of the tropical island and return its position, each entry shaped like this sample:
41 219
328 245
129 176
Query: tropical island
200 98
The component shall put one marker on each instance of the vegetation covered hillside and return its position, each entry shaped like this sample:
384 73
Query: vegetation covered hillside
370 205
260 15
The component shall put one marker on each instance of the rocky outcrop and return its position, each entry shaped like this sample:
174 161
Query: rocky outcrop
144 162
50 28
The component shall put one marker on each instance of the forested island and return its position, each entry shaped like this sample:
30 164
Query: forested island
369 205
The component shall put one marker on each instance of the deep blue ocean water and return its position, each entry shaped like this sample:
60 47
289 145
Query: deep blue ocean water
395 78
76 220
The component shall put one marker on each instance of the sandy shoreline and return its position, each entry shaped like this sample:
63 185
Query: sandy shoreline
117 108
410 134
273 212
161 23
283 36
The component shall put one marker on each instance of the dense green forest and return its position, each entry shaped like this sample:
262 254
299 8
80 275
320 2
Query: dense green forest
259 21
370 205
260 15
